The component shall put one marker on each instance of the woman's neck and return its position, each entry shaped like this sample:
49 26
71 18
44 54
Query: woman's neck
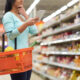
14 10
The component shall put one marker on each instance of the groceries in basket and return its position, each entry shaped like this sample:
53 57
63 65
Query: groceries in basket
8 49
11 49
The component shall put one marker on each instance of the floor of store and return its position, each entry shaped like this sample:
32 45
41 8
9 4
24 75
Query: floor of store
33 77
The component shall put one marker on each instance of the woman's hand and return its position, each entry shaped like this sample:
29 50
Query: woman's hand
32 21
22 11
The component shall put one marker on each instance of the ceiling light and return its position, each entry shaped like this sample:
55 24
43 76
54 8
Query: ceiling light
32 6
72 3
55 13
60 10
63 8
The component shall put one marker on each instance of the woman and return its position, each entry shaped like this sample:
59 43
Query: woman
16 20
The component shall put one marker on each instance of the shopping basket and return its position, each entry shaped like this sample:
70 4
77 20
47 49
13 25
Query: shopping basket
15 61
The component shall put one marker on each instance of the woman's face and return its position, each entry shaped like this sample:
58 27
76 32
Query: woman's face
18 3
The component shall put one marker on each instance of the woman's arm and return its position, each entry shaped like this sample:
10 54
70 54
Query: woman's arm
30 22
33 29
8 23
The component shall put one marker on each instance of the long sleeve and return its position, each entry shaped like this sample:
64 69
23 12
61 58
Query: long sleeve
33 29
8 23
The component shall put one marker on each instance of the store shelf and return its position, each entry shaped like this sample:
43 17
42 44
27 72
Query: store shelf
39 41
46 26
41 61
70 16
57 22
61 53
64 66
50 24
45 75
66 28
60 41
61 20
68 66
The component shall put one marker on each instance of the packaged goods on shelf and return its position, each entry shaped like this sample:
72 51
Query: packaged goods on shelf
40 57
33 39
37 49
75 75
61 36
74 21
53 72
77 61
40 67
77 19
47 31
73 47
62 59
71 10
37 66
44 48
60 73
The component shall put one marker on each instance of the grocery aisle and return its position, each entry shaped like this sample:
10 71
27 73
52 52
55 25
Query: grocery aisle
56 54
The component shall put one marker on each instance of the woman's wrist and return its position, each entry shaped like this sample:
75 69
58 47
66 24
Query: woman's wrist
23 27
26 16
27 23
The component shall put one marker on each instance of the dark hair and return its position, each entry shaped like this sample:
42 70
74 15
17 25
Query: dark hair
9 4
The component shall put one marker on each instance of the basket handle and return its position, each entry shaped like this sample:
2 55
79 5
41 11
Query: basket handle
3 40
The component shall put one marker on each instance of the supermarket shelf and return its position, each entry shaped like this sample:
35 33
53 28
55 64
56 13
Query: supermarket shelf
45 75
40 61
67 28
70 16
62 53
39 41
61 41
60 65
36 52
35 34
61 20
51 24
57 22
64 66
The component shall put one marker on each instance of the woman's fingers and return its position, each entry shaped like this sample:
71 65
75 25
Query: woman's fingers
35 19
32 21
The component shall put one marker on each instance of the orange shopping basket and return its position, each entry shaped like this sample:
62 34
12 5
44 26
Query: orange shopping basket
15 61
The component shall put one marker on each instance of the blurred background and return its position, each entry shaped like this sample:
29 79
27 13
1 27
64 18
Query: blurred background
56 56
